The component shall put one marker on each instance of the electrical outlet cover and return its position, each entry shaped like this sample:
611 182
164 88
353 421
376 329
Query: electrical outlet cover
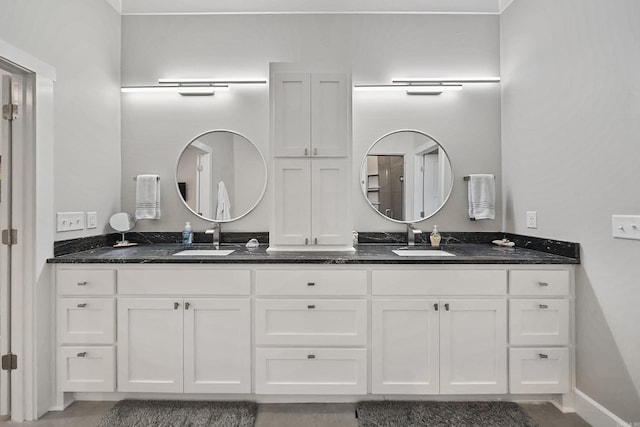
532 219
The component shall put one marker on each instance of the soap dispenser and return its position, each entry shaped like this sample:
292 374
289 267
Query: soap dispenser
435 237
187 235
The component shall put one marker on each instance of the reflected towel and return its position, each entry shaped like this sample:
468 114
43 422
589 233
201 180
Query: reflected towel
223 209
482 196
148 197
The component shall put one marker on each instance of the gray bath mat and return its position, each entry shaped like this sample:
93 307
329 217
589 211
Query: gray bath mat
180 413
442 414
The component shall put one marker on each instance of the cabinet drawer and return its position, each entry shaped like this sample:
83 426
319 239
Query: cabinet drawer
539 321
86 282
184 282
311 371
86 320
539 370
439 282
311 322
311 282
86 369
538 282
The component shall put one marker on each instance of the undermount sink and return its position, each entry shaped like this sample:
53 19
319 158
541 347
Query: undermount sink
422 252
205 252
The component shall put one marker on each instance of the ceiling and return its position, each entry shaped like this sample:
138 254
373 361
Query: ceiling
154 7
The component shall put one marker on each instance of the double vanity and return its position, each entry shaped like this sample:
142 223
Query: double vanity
483 322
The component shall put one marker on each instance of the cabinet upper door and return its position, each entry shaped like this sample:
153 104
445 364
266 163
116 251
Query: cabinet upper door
473 346
291 114
291 225
329 115
330 223
150 344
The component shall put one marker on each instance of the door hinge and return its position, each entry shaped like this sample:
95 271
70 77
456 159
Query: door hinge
9 238
10 111
9 362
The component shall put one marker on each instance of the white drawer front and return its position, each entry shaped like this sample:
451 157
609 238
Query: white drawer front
86 369
539 370
311 282
86 320
538 282
184 282
86 282
439 282
311 371
311 322
539 321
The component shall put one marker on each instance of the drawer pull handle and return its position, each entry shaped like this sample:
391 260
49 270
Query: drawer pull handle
435 307
543 356
446 306
311 306
176 305
82 283
543 306
543 284
187 305
83 354
83 305
311 284
311 356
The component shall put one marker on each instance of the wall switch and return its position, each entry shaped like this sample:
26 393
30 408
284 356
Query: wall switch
532 219
69 221
625 226
92 220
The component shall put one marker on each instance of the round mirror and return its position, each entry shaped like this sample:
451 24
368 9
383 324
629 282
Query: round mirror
221 176
406 176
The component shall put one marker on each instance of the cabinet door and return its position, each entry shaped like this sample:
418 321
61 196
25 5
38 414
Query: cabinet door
404 347
150 344
329 115
292 115
292 219
473 346
330 211
217 352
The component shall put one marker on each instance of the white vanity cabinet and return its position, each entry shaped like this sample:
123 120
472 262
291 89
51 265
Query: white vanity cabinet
426 342
85 329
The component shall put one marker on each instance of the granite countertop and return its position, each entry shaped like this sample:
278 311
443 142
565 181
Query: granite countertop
366 253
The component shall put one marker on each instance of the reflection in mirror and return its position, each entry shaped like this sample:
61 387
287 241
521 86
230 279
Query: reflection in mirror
221 176
406 176
122 222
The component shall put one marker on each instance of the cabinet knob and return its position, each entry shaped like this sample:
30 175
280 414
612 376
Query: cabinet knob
306 240
543 306
435 307
187 305
82 283
311 356
82 305
311 306
176 305
315 151
543 356
82 354
306 151
311 284
446 306
315 241
543 284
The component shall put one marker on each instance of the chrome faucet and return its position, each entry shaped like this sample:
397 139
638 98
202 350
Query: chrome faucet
216 235
412 232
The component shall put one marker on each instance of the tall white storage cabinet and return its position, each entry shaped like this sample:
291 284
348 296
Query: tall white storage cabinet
311 140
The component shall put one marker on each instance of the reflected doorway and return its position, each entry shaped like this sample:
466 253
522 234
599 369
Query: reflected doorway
385 184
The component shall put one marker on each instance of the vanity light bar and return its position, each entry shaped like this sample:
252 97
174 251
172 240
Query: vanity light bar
443 80
413 89
182 90
210 82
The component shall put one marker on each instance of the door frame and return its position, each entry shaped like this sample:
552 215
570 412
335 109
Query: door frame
33 332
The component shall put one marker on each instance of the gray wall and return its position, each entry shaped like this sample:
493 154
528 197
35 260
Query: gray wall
376 47
570 125
81 39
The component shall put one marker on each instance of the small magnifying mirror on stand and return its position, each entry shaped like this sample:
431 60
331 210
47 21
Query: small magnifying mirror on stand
122 222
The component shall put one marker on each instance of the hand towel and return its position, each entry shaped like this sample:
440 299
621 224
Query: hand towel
148 197
482 196
223 209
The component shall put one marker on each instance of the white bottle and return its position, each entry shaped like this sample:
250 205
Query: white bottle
435 237
187 235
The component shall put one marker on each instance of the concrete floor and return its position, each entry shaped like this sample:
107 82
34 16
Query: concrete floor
88 414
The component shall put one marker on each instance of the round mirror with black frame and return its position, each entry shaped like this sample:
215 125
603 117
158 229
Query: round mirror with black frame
221 176
406 176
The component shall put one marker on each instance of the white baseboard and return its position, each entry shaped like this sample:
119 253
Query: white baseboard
596 414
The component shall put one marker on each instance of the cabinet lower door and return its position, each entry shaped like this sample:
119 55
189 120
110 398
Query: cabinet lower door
329 223
292 221
473 346
217 353
150 344
404 347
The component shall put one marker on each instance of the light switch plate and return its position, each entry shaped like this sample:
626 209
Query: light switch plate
625 226
69 221
532 219
92 220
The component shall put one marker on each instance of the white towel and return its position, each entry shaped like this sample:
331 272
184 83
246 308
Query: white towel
482 196
148 197
223 209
